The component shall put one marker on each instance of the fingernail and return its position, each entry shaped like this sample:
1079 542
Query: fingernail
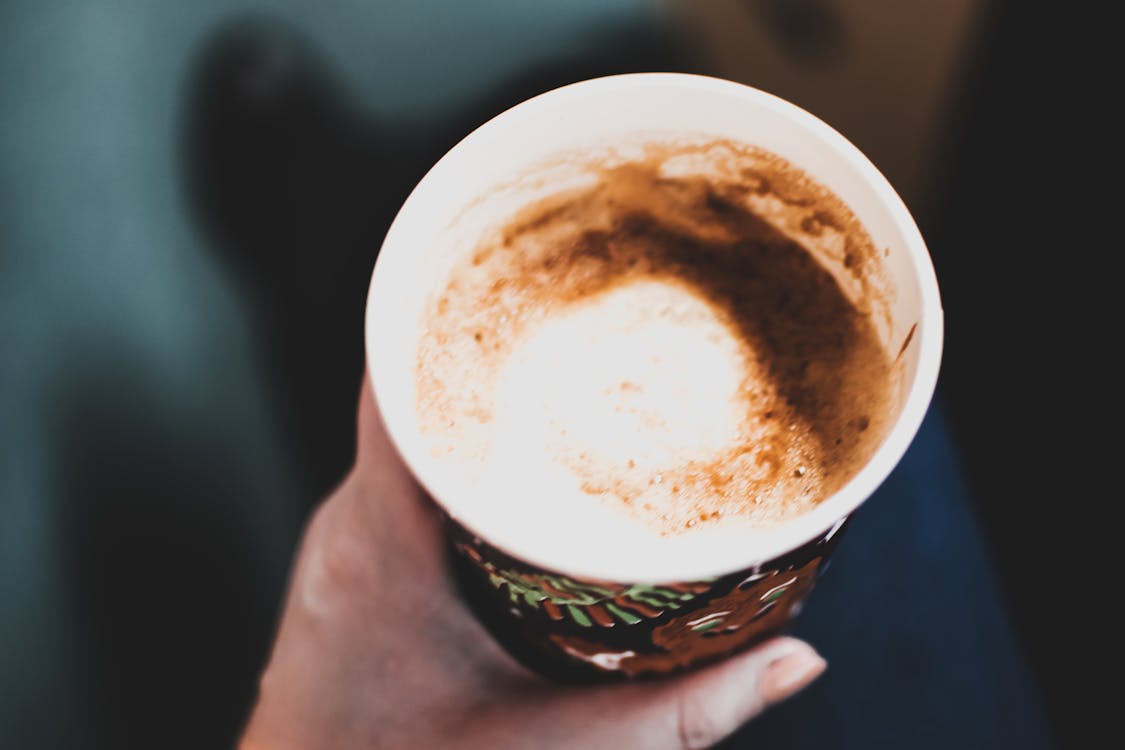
789 674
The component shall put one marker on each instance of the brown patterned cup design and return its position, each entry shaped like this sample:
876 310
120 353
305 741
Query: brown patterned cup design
577 596
606 629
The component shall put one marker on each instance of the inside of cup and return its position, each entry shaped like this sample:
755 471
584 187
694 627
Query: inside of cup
531 151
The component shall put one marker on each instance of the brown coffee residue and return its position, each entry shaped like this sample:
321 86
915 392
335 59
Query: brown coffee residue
745 239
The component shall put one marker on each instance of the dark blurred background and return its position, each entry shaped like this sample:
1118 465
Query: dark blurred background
191 199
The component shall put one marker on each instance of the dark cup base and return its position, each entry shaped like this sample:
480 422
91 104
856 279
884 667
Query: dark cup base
547 661
710 620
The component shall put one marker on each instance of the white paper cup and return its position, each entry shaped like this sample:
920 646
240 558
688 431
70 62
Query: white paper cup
574 597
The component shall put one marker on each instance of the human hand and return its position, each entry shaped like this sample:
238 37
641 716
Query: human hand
375 650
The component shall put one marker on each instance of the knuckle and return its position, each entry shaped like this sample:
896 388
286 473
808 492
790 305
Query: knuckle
696 724
336 560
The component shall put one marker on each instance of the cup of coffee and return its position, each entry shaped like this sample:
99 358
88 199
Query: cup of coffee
648 341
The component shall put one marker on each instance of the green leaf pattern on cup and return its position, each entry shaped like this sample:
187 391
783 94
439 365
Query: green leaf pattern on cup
590 605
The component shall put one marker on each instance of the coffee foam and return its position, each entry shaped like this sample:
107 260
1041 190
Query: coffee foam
630 346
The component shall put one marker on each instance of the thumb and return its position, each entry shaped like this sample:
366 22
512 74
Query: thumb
713 703
376 457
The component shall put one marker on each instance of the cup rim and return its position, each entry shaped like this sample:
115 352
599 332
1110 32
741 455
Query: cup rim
770 544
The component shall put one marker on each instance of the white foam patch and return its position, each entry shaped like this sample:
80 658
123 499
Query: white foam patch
640 379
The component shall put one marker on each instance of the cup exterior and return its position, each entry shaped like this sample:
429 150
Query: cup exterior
582 629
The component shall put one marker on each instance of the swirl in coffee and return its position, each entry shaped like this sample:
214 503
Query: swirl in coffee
691 335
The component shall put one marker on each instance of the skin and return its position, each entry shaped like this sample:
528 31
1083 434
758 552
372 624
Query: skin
374 649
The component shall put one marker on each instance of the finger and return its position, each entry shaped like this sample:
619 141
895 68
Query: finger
695 710
711 704
374 450
691 711
376 523
379 467
383 488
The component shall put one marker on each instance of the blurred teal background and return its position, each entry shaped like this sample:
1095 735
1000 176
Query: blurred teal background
126 342
150 507
191 198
